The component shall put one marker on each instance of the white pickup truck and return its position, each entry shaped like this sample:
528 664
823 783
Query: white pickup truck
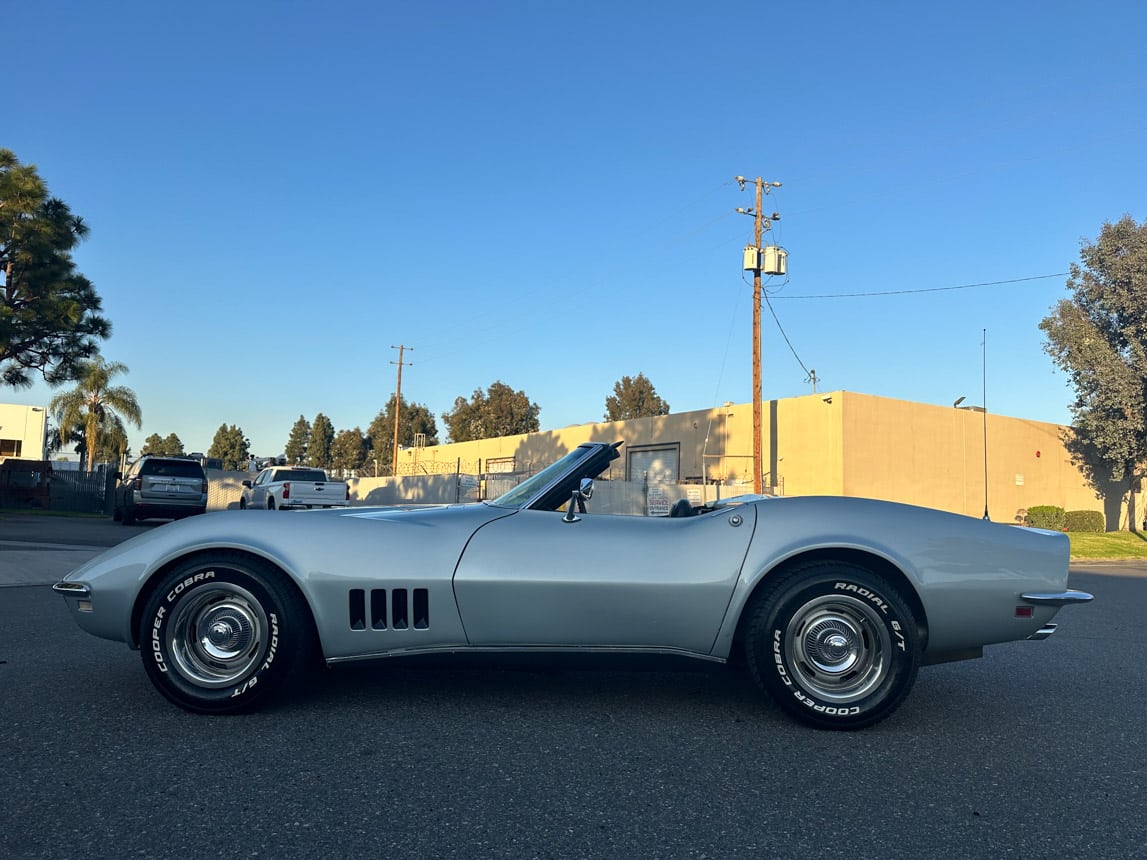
284 487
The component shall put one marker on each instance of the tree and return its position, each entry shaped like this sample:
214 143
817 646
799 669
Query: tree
296 449
113 444
500 411
348 451
634 397
153 444
49 312
94 402
169 446
230 446
173 445
319 442
414 419
1099 338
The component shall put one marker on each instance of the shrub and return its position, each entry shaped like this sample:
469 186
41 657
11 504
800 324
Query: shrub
1084 521
1046 517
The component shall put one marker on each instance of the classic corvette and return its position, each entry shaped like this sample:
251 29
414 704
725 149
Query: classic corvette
831 603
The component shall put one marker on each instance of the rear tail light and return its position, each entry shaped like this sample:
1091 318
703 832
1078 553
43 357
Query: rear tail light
137 484
204 489
287 490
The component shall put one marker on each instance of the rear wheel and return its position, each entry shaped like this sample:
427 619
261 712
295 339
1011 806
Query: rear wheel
834 644
270 504
221 632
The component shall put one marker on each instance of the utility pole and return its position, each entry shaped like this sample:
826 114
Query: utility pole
753 261
398 403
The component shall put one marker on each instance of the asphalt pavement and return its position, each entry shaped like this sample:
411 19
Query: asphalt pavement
37 549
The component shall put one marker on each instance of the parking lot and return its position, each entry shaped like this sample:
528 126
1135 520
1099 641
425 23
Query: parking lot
1034 751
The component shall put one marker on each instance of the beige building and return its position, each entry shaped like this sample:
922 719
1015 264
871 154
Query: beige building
23 432
837 443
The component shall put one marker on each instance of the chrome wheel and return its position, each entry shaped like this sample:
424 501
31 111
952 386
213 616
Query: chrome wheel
838 647
217 635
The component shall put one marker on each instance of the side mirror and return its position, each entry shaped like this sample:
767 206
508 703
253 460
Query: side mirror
578 498
247 484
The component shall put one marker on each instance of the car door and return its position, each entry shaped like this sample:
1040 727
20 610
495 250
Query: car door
259 489
534 579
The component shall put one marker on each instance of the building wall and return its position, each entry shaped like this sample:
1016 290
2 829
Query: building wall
831 443
23 431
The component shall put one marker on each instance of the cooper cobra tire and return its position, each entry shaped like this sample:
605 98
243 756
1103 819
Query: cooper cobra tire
221 632
835 645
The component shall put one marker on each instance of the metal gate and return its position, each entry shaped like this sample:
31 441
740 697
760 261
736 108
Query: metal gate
81 492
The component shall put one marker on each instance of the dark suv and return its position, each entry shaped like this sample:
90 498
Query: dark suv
165 487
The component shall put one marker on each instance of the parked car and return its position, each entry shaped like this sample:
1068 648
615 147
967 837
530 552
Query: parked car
832 603
293 487
160 487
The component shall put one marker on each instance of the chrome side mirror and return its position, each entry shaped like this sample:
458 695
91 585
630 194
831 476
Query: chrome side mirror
578 498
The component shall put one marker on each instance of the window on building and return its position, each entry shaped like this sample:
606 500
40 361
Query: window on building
10 447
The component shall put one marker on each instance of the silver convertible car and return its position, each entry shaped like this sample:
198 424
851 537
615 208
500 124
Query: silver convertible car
831 603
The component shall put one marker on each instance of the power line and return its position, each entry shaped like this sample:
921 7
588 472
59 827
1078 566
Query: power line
781 329
926 290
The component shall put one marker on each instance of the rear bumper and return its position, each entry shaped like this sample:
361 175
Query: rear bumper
1058 598
166 512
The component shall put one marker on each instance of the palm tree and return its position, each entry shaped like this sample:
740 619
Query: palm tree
95 405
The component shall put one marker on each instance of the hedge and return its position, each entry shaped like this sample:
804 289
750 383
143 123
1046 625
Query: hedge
1084 521
1046 517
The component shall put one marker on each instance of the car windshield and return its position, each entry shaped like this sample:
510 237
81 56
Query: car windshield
533 485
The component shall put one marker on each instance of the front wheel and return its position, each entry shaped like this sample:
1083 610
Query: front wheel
221 632
834 644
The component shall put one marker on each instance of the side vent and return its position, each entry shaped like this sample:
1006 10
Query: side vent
357 609
378 609
407 608
398 609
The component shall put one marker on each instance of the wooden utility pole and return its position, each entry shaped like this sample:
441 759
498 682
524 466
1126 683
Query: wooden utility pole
758 385
761 223
397 404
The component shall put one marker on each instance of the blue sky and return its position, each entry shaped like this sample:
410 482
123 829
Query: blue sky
543 194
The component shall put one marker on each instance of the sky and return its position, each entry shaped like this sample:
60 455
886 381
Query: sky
281 193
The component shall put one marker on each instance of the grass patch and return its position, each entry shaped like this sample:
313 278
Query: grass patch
1111 546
